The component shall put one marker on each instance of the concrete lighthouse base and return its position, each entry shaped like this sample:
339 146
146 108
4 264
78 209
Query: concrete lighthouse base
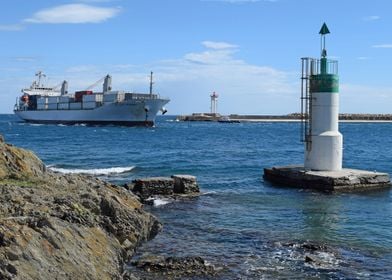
342 180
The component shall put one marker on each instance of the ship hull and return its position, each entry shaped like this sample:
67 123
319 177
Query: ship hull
124 113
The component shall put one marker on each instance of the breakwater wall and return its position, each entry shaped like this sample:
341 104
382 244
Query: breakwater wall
288 117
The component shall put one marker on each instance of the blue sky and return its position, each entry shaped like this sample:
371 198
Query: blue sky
248 51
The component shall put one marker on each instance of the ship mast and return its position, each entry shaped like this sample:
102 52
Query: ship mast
40 74
151 83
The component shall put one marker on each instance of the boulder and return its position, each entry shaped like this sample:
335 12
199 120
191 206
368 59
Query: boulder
176 186
147 187
185 184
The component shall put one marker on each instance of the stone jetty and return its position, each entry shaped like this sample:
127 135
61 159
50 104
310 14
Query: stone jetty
342 180
55 226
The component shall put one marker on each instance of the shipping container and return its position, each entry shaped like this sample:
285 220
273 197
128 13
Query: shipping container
52 106
120 97
53 99
64 99
42 106
114 96
63 106
75 105
42 100
79 94
89 105
110 97
93 98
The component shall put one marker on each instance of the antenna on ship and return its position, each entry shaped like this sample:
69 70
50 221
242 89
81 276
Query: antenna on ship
151 83
40 74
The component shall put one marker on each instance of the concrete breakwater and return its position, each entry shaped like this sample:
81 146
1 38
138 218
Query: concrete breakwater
288 117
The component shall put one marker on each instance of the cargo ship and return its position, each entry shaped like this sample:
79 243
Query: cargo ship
54 105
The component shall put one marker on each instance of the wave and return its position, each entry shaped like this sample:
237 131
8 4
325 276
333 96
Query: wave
160 202
209 193
95 171
156 202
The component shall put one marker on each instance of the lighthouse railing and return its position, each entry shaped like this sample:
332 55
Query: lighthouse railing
311 67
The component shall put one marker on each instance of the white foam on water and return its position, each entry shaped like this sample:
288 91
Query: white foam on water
95 171
209 193
160 202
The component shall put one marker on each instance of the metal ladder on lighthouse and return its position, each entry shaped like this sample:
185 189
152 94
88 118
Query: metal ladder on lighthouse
308 65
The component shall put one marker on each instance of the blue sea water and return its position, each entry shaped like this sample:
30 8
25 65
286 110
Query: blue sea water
251 229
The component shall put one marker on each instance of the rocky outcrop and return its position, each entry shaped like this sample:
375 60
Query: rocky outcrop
174 187
56 226
16 163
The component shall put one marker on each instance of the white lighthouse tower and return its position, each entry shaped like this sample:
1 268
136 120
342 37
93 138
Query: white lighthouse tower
214 103
320 132
323 141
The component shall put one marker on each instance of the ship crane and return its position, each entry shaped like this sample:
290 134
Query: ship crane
107 85
95 84
57 86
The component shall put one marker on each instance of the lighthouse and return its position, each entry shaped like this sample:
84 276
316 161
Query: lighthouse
323 141
214 103
322 168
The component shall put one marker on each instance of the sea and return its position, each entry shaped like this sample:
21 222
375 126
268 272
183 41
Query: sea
244 226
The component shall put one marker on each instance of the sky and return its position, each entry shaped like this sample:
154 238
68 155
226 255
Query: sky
248 51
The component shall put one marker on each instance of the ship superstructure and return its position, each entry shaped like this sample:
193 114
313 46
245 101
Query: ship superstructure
41 104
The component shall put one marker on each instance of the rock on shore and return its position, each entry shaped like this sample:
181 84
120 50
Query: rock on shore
160 267
56 226
165 187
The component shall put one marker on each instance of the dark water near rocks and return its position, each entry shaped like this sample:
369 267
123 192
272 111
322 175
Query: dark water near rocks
241 223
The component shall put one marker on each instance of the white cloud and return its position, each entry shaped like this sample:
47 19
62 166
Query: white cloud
25 59
371 18
189 80
218 45
73 13
218 52
210 57
383 46
11 27
356 98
